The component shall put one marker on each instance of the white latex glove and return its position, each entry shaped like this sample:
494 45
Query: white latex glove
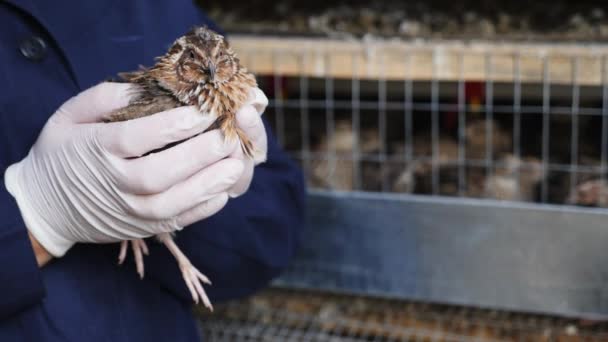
249 120
80 182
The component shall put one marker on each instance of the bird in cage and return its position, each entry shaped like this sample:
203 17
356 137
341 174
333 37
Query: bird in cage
416 175
334 166
590 193
591 189
588 188
480 132
515 179
201 70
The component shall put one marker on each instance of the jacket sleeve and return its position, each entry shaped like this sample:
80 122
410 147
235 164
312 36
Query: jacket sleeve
20 280
247 243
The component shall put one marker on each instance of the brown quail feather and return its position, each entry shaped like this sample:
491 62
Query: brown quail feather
199 69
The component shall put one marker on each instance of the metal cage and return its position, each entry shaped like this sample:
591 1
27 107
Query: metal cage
288 315
466 173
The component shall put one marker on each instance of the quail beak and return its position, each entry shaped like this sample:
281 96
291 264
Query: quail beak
211 72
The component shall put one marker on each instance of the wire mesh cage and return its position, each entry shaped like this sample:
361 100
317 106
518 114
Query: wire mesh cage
471 173
446 171
439 172
288 315
509 122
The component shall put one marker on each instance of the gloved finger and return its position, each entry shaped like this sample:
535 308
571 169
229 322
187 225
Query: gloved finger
258 99
157 172
134 138
203 210
242 184
183 196
92 104
251 123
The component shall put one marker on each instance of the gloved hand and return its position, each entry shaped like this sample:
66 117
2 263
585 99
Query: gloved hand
80 182
250 121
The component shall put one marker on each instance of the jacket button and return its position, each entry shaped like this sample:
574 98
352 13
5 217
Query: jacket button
33 48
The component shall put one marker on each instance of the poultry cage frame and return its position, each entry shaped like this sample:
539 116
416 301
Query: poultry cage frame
530 257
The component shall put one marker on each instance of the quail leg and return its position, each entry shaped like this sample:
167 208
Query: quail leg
139 250
192 276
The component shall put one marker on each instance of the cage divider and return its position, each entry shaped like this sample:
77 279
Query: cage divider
278 99
604 138
442 107
356 123
574 126
462 121
304 118
435 124
408 126
330 120
545 130
382 125
489 116
517 117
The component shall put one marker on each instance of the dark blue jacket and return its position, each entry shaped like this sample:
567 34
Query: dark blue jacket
85 296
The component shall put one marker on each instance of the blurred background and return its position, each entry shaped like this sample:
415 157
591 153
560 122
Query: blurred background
456 157
543 19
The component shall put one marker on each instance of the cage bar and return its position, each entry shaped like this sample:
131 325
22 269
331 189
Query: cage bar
574 126
304 119
408 108
447 51
278 97
517 116
434 124
330 120
382 124
546 126
604 139
356 115
489 117
461 129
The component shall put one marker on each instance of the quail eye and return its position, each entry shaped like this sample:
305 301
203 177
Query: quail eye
191 54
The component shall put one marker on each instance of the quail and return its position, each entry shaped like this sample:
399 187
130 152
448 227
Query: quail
200 69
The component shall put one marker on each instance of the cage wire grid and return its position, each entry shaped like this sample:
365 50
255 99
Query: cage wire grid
472 133
280 314
310 115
